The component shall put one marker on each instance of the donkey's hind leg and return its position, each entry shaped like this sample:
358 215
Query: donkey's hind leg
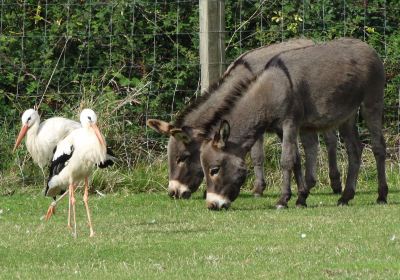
330 139
310 144
257 157
309 140
348 131
373 119
302 188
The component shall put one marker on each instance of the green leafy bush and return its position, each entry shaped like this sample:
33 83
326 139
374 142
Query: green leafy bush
130 60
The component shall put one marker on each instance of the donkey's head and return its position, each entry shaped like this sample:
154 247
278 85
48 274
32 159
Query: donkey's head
224 168
185 172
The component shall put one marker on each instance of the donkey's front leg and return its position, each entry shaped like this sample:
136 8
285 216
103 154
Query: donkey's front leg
288 159
257 157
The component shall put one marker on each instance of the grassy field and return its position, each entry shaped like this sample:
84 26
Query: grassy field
150 236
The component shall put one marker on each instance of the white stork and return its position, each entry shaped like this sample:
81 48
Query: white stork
73 161
42 139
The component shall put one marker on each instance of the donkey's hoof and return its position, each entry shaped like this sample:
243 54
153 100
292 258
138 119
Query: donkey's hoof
258 189
336 186
302 199
301 204
281 206
347 195
342 202
381 201
337 191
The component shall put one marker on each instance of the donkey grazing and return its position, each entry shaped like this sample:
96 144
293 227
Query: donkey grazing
185 172
313 89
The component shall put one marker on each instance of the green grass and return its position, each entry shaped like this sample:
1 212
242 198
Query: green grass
150 236
143 234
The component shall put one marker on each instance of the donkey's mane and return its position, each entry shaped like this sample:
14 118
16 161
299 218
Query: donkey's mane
229 100
227 105
197 102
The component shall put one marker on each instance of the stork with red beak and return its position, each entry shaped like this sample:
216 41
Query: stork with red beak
74 160
42 138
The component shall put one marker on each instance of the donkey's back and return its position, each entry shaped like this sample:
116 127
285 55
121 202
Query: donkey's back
330 81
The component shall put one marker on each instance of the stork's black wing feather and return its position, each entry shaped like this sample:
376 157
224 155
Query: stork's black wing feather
58 165
109 159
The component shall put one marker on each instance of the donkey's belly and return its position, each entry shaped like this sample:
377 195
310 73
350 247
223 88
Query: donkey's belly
328 119
331 101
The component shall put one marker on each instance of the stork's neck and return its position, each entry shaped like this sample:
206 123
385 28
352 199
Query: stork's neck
33 130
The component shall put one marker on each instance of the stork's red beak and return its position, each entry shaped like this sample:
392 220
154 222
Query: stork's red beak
98 134
21 135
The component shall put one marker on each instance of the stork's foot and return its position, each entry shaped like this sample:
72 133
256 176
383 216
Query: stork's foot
51 211
91 233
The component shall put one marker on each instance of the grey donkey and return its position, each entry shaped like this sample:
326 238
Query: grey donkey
314 88
185 172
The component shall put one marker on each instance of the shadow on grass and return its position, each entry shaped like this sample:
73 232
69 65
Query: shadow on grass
357 192
330 204
176 231
268 195
314 206
199 195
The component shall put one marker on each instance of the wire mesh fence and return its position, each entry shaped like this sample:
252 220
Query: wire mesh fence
131 60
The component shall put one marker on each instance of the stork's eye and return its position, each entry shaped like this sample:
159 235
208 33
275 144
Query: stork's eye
89 118
29 119
214 170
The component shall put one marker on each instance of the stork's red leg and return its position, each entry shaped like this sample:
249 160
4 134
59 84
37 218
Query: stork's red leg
69 208
85 200
72 195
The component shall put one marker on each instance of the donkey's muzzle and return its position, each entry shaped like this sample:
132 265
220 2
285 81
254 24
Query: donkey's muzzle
177 195
216 207
217 202
177 190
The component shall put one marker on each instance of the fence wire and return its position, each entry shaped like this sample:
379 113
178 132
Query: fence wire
132 60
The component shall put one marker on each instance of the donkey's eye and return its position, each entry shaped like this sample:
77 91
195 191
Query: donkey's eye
214 170
182 159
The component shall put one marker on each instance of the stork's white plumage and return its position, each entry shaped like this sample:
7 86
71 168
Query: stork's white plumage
74 160
42 138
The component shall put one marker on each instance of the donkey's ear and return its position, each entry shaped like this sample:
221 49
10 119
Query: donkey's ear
221 137
160 126
181 135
